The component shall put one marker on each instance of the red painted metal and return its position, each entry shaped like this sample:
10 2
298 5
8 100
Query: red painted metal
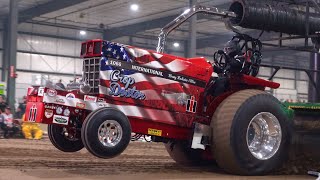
171 106
167 131
260 82
91 48
35 112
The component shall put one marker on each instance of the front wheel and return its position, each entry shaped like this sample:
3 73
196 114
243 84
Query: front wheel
250 133
61 142
106 132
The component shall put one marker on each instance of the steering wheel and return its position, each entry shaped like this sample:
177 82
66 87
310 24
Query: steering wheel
256 61
221 59
253 61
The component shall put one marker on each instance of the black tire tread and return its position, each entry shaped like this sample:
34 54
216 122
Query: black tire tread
184 155
85 127
67 146
221 123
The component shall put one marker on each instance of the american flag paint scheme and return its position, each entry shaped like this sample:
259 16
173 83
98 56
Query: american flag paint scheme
143 85
146 86
148 71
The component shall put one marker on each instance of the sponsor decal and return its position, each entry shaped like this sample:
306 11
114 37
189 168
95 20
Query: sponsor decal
33 113
66 112
155 132
181 98
101 100
48 113
59 110
101 104
160 73
191 105
181 79
70 96
90 98
51 92
147 70
90 49
114 63
60 101
73 86
116 90
41 91
57 119
49 107
80 105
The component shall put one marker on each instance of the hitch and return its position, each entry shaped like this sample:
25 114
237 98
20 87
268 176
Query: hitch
201 136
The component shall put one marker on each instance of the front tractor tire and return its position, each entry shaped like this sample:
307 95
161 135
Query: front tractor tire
106 132
61 142
250 133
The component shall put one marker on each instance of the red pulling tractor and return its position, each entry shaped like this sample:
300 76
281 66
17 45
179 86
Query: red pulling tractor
200 118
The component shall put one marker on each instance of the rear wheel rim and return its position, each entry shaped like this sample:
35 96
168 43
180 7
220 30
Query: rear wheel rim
264 136
110 133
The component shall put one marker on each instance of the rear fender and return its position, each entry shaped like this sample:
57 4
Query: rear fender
237 84
253 81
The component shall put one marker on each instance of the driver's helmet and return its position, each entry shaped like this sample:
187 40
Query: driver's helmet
232 48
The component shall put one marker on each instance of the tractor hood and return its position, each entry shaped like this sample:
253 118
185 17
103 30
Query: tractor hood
194 71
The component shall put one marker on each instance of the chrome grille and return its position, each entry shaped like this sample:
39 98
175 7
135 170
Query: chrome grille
91 72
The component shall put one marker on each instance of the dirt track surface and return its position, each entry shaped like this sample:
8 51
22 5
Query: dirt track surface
31 159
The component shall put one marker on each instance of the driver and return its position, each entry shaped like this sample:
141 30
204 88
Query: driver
232 48
233 51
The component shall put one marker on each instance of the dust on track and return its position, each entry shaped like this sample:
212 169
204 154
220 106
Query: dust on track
28 159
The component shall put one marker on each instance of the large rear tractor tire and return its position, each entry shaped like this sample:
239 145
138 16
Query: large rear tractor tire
61 142
106 132
182 153
250 133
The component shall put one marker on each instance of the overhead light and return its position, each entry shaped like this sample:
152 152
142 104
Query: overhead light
176 45
82 32
134 7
